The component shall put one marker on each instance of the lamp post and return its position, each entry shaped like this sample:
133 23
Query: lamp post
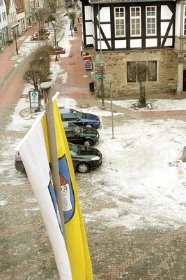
46 86
55 40
111 98
15 39
101 59
109 78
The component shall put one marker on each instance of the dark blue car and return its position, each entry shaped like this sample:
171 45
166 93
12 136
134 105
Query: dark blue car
79 118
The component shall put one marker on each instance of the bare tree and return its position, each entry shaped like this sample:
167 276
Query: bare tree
141 74
41 15
37 68
50 6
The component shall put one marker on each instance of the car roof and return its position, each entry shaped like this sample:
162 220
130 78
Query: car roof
64 110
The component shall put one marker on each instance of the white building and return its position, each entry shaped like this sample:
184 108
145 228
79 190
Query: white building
3 25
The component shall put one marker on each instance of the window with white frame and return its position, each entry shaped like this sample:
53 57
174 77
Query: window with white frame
119 14
135 21
141 71
151 20
184 27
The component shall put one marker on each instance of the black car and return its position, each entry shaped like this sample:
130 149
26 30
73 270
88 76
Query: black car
85 158
79 118
81 135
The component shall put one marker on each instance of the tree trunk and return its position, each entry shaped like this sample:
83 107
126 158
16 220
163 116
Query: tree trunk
142 99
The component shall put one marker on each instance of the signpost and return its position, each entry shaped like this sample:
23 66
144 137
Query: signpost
34 100
99 71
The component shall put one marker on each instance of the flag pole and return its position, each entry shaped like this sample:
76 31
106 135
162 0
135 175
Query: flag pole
46 86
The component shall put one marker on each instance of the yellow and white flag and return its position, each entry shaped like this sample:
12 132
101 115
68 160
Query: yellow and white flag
33 153
76 240
36 162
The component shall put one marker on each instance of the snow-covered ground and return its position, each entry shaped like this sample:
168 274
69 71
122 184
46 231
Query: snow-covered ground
142 171
155 104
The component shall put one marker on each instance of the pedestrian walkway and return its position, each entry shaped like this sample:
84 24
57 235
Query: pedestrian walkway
11 80
77 84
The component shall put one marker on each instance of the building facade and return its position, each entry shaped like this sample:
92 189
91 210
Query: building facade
21 16
3 25
12 20
131 35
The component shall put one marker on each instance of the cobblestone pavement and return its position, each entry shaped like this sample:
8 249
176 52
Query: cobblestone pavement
116 253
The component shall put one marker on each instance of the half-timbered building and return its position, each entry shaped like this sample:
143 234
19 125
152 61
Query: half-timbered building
124 34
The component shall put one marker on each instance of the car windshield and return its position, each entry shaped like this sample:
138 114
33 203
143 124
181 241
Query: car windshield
77 114
73 149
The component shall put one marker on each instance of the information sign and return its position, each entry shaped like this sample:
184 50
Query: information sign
99 69
34 99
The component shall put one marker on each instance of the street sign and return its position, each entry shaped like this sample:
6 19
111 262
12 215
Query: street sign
34 99
99 69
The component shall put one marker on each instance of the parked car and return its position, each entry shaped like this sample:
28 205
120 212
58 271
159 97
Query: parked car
79 118
84 158
80 134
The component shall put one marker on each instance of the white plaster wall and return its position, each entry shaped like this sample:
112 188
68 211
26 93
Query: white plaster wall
89 41
21 16
105 14
12 13
89 28
178 20
168 42
165 12
3 22
164 26
120 44
135 43
92 14
106 29
98 34
88 13
103 45
151 43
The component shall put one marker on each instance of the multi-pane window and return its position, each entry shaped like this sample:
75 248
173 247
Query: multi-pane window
184 28
135 21
141 71
151 20
119 21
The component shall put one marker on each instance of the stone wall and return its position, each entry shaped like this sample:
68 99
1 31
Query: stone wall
116 63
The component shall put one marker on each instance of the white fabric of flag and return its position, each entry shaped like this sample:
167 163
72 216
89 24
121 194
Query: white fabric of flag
34 156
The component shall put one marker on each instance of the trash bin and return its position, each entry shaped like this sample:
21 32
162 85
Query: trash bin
91 86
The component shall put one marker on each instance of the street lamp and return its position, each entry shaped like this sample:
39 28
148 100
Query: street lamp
55 41
111 98
15 36
109 79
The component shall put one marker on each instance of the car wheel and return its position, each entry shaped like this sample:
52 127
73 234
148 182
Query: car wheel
88 142
83 167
